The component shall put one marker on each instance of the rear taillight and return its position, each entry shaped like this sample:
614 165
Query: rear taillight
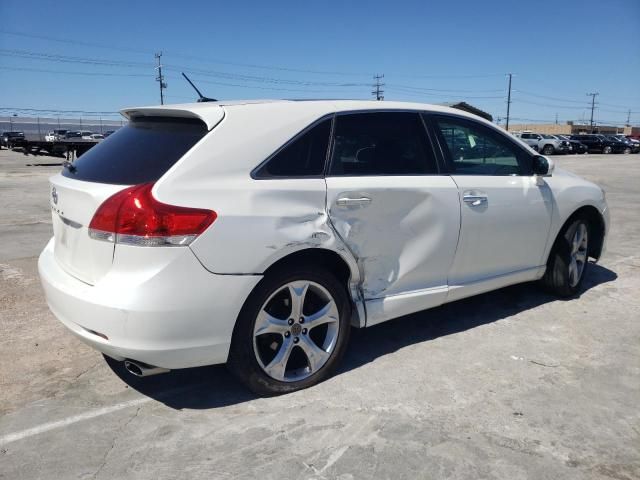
133 217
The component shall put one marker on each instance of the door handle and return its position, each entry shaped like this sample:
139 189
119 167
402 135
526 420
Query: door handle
348 201
475 200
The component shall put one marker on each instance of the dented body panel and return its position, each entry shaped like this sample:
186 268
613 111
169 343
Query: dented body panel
403 238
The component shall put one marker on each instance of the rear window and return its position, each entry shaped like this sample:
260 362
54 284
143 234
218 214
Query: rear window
140 152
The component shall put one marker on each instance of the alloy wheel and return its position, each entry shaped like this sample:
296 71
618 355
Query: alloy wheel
578 258
296 331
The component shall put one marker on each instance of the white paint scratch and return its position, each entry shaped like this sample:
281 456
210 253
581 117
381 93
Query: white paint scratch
334 457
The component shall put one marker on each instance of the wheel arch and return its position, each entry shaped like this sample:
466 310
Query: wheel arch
596 228
346 272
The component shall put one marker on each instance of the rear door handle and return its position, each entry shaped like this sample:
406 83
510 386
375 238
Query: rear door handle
349 201
475 199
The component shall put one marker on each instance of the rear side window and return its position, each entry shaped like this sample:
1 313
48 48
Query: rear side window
381 143
303 157
140 152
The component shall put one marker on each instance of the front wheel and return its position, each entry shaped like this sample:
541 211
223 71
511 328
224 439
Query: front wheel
568 260
291 332
627 151
548 150
606 150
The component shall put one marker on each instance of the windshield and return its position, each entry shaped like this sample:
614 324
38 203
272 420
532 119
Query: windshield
142 151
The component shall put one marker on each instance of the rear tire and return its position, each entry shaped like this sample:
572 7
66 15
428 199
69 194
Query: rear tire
606 150
569 259
276 347
548 150
627 151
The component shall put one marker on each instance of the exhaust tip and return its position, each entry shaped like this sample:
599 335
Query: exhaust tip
140 369
133 368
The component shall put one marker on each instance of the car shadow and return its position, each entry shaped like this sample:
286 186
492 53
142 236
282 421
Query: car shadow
214 387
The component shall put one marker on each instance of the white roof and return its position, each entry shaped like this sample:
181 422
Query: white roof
212 112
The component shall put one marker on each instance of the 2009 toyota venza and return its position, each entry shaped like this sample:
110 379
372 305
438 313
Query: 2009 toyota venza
258 233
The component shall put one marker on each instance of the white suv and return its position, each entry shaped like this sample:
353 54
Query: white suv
257 233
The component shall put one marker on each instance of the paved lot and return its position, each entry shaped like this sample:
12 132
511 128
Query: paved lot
512 384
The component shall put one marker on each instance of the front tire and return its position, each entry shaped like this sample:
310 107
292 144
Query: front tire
548 150
569 259
606 150
291 332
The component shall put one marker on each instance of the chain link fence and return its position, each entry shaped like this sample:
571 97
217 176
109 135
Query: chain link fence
35 128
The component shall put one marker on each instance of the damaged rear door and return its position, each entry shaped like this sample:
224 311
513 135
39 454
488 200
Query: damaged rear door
397 215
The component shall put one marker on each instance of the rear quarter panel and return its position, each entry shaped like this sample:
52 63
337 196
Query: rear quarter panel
259 221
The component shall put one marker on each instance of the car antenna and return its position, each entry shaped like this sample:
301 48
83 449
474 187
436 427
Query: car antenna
201 98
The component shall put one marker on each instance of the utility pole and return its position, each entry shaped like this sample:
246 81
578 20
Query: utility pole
593 106
509 101
39 134
556 118
378 92
629 118
160 78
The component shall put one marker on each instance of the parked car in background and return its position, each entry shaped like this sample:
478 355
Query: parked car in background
281 248
599 143
108 132
546 144
97 136
55 135
11 139
628 147
634 145
576 146
73 135
86 135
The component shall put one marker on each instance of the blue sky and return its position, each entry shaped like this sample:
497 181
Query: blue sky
98 56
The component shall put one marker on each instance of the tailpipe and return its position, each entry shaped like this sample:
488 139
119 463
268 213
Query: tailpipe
140 369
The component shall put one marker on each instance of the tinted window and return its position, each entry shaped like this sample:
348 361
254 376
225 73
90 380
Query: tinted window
140 152
385 143
304 156
476 150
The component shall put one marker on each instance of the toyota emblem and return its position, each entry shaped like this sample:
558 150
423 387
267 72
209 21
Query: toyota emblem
54 195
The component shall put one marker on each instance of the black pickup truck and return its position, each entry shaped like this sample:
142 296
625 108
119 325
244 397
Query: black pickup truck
11 139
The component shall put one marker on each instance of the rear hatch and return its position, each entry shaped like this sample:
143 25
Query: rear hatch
140 152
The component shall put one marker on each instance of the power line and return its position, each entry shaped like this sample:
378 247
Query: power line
570 107
548 98
62 72
182 55
446 90
411 93
55 110
52 57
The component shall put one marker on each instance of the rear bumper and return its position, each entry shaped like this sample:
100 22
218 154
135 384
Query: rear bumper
156 305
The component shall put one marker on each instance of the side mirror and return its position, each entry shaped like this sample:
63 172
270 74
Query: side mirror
542 166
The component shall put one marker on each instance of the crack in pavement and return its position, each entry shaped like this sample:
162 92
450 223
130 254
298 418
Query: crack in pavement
105 458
